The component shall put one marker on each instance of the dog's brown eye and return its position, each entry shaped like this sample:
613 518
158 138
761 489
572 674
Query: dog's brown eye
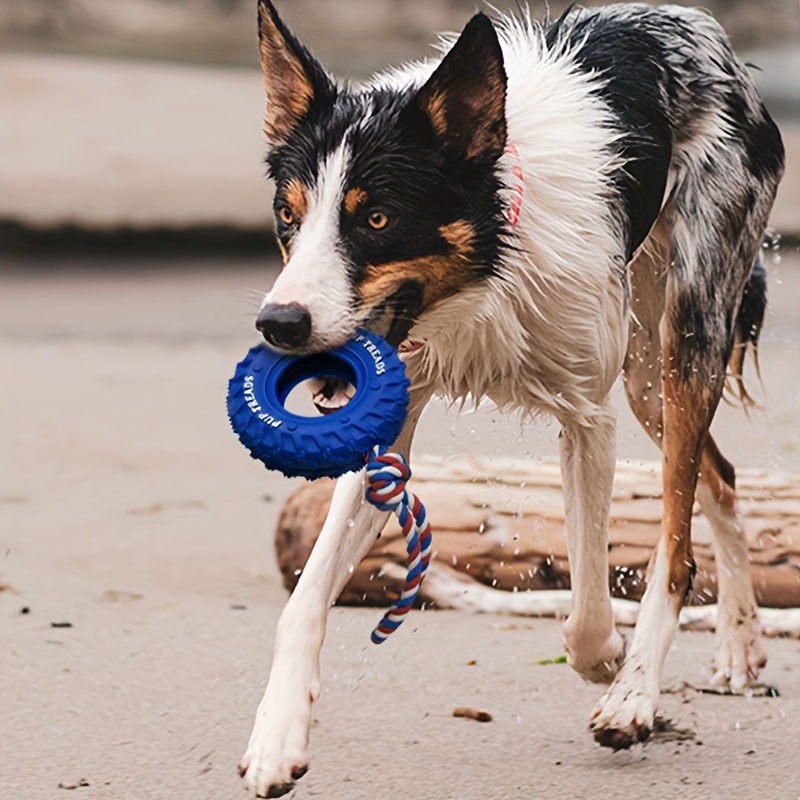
377 220
286 216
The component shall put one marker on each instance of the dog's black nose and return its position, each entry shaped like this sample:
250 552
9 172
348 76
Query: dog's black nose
287 326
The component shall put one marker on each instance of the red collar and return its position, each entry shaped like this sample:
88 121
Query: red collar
518 189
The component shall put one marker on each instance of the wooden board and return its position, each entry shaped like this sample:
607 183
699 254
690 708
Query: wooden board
501 522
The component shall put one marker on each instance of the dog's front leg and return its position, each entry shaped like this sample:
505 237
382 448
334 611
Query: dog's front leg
278 750
277 754
588 458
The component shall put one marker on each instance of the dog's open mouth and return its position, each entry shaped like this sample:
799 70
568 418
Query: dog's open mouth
329 394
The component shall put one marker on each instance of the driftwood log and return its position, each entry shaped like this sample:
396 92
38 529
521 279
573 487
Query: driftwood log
501 523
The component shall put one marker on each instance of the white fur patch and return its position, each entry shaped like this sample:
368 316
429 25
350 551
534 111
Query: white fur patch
628 707
588 458
554 320
316 274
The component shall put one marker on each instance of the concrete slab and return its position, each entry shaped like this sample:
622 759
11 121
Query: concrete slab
105 143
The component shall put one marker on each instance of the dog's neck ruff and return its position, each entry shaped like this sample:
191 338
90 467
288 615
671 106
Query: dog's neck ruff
518 188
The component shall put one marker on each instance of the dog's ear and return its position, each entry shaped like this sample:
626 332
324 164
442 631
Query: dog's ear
294 79
465 98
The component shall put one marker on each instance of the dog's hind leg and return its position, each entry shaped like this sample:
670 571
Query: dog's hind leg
277 754
588 457
643 361
713 248
738 653
692 384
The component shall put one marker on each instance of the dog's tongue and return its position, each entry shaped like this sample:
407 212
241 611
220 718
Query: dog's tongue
411 346
330 394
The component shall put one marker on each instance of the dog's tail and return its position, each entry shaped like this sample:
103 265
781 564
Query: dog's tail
747 329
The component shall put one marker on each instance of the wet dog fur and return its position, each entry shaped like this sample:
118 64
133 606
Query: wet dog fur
535 211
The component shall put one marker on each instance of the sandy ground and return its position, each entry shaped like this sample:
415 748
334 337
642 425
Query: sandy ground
130 511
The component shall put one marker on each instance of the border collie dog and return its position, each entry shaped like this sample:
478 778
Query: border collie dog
532 213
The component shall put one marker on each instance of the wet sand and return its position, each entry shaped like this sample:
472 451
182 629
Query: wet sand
129 510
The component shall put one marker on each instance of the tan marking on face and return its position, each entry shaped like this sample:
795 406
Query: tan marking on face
296 198
354 198
439 277
284 251
460 235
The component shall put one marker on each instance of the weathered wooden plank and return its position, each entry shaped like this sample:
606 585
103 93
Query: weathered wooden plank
501 523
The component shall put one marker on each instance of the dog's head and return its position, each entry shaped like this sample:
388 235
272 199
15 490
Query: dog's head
387 198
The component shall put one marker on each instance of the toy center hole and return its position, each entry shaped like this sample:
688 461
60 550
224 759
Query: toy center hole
317 385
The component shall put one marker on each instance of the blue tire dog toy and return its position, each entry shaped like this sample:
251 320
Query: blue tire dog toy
327 446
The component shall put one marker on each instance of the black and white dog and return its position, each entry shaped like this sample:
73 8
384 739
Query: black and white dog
525 217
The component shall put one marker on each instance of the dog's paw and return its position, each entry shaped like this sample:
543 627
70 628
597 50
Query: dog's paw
277 754
739 655
595 663
624 716
275 759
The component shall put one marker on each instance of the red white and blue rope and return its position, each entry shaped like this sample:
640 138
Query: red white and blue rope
387 475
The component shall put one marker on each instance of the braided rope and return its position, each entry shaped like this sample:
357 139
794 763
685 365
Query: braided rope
387 475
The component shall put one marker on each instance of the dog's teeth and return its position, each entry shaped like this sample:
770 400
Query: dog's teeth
333 394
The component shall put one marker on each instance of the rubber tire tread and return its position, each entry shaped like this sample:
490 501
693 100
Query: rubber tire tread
325 446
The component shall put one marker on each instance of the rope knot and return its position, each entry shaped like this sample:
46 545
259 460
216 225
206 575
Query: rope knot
387 475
